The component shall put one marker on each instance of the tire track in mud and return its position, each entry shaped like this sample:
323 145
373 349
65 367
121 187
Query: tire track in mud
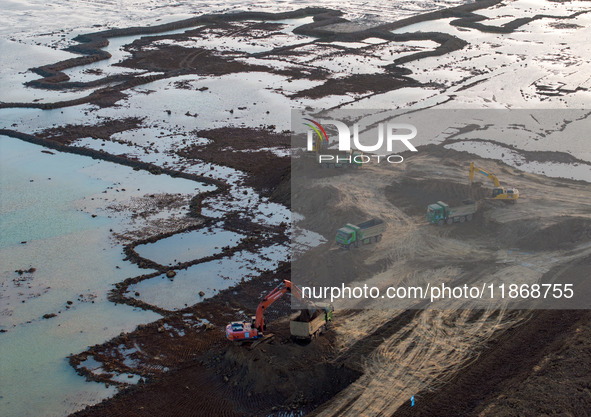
406 352
415 352
508 359
189 59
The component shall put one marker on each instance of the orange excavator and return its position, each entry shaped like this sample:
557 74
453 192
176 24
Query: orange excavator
243 330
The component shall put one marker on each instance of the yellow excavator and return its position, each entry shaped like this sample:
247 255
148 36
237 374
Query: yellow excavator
498 193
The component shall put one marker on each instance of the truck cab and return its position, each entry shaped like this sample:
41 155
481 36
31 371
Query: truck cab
347 235
437 212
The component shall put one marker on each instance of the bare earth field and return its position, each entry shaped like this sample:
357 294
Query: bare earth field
374 361
493 361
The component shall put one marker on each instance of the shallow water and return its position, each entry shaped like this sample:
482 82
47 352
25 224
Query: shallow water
38 187
118 54
76 261
185 247
19 58
209 277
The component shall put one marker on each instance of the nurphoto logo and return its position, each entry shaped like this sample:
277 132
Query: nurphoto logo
387 135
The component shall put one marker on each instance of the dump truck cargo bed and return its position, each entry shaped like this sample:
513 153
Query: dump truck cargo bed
356 235
309 329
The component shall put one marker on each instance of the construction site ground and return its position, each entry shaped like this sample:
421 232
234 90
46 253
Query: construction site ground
494 361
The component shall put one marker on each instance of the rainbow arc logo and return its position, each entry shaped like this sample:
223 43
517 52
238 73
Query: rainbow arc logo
317 127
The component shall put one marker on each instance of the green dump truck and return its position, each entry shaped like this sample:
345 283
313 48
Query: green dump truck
441 213
354 236
310 324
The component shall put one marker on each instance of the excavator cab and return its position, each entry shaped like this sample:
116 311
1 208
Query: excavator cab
512 193
497 191
505 194
242 330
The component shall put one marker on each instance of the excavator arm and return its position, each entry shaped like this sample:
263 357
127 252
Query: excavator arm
277 293
483 172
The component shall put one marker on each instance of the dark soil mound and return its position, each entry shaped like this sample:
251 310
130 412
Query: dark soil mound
414 195
323 211
281 369
561 235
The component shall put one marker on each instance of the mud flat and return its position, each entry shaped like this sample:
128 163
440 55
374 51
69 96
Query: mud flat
251 67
